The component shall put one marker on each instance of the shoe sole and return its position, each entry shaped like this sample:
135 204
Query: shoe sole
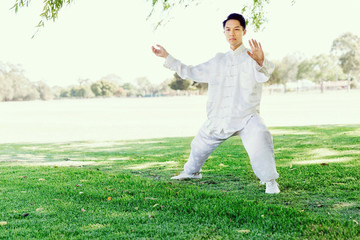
276 192
183 178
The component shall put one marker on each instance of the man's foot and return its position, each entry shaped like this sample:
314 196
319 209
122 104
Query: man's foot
272 187
184 175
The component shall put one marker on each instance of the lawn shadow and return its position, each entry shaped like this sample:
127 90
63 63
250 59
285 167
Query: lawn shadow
318 166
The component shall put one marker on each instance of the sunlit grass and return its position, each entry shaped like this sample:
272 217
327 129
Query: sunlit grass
122 189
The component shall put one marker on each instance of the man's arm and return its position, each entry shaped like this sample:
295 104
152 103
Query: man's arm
199 73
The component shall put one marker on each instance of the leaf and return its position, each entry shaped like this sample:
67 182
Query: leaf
150 198
41 179
243 231
3 223
83 210
39 209
108 199
25 214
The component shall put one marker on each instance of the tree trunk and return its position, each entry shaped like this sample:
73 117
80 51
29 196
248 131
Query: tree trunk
322 86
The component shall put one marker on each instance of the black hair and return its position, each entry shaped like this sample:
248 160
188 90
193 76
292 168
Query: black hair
236 16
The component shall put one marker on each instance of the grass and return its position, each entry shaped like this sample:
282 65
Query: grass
122 189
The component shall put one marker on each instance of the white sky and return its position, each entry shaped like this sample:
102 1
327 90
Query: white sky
93 38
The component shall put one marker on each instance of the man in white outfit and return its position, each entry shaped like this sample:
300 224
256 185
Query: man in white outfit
234 91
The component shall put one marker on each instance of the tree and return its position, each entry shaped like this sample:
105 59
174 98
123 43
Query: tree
320 68
144 86
65 93
50 10
201 87
251 8
103 88
6 90
56 90
179 84
164 87
14 86
44 91
347 49
129 89
113 78
285 71
81 92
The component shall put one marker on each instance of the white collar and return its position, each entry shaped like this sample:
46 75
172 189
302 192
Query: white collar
241 49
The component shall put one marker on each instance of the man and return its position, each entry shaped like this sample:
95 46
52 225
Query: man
235 82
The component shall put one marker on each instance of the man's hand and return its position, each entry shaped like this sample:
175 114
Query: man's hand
256 52
160 51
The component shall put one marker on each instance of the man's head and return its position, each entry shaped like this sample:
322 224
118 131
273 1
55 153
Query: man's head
234 29
236 16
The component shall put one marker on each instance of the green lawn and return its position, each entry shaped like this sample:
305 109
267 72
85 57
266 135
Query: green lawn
122 189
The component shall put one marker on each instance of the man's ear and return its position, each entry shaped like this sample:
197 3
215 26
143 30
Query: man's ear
244 32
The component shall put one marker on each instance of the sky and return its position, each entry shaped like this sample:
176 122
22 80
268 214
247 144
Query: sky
92 39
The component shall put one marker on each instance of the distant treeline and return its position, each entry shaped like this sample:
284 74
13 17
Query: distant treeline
342 63
14 86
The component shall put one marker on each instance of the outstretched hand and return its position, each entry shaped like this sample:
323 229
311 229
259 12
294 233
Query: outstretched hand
159 51
256 52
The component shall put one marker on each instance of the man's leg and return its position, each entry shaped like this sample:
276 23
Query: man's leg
258 143
201 147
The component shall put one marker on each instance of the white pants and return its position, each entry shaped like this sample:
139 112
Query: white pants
256 139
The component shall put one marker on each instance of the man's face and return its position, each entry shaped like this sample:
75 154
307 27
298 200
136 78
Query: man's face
234 33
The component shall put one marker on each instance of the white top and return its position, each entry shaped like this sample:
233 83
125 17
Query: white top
235 86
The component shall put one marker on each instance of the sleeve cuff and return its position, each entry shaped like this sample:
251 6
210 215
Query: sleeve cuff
169 61
267 67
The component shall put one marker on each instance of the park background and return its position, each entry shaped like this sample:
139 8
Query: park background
93 65
92 126
103 49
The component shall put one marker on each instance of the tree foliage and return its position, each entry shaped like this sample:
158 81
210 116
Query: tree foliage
179 84
14 86
201 87
347 49
50 10
44 91
252 8
285 71
104 88
144 86
320 68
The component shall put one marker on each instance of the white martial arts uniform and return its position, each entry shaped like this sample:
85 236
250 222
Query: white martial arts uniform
234 92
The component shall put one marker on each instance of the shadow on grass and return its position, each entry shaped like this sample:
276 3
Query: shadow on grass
318 167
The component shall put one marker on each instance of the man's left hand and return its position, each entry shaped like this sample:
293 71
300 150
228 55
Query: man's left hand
256 52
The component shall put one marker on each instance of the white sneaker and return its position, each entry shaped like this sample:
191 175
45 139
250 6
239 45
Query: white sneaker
184 175
272 187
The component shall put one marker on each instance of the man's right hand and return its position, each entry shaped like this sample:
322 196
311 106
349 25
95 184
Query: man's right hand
159 51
